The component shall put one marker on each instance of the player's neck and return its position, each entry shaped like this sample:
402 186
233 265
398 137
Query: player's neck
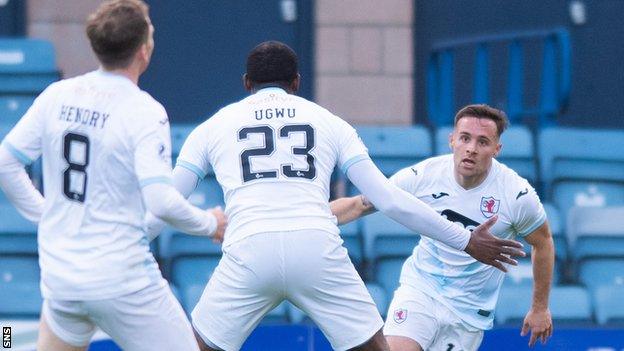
470 182
131 72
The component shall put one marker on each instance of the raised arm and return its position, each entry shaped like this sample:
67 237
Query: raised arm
416 215
538 320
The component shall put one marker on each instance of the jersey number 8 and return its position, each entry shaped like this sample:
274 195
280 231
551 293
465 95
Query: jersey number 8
269 147
76 170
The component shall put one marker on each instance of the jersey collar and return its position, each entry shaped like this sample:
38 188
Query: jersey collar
272 89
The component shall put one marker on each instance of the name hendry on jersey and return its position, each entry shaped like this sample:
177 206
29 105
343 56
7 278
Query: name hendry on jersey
83 115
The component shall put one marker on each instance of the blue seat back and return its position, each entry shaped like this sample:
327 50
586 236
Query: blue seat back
384 237
580 154
597 272
568 194
352 237
394 148
388 272
595 223
380 297
27 66
608 305
571 305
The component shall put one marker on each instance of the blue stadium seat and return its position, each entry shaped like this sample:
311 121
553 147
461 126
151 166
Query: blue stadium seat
394 148
12 108
522 274
28 66
513 304
20 300
570 305
608 305
580 154
350 234
179 133
567 194
597 272
208 193
517 152
596 232
388 272
190 274
384 237
380 297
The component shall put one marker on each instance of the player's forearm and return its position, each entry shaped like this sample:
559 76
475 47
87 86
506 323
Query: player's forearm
164 202
348 209
543 257
18 188
405 208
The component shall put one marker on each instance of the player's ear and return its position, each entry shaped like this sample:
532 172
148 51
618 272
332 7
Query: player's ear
294 85
247 82
499 146
450 141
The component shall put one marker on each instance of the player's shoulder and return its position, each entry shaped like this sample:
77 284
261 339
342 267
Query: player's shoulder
517 189
436 164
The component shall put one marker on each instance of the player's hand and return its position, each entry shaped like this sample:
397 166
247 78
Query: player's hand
488 249
222 223
540 325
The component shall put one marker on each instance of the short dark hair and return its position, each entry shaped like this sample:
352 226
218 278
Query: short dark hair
272 62
116 30
484 111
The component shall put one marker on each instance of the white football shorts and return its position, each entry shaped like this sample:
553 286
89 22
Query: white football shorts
149 319
310 268
416 315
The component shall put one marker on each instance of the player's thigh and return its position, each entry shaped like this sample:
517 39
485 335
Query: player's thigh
149 319
411 315
47 340
64 325
322 281
456 336
244 287
402 343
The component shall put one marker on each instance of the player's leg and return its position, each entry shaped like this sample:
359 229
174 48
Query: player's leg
322 281
244 287
149 319
63 327
403 343
412 323
376 343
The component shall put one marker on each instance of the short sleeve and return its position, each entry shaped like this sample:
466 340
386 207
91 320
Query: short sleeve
152 149
351 149
408 178
528 211
193 155
24 140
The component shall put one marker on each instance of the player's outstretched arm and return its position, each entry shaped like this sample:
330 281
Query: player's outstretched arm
416 215
348 209
18 188
539 320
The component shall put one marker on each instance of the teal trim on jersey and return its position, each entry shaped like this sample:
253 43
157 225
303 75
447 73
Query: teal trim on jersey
145 182
25 160
536 225
350 162
191 167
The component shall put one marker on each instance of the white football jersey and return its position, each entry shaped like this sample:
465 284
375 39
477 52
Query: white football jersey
468 287
273 153
101 138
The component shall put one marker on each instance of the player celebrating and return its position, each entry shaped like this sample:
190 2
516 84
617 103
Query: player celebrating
273 153
106 154
446 299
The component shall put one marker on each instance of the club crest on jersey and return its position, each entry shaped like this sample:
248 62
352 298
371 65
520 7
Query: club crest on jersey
400 315
489 206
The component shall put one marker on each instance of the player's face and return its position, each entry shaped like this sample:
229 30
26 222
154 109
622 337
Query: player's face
474 142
